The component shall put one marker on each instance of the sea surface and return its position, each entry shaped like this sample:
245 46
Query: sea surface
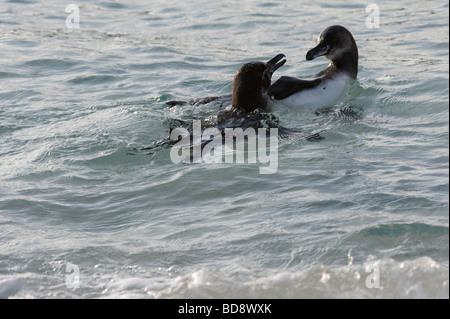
363 213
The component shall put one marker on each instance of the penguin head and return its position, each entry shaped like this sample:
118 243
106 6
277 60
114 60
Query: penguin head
252 81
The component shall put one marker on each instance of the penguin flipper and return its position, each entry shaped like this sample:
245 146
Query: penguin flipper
201 101
286 86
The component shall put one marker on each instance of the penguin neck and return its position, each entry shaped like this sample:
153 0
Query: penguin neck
249 98
346 63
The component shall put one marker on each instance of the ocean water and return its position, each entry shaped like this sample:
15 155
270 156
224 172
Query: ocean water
362 213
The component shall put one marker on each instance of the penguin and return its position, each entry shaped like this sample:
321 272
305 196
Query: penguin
337 44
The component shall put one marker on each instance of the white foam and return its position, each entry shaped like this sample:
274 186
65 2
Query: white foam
10 286
419 278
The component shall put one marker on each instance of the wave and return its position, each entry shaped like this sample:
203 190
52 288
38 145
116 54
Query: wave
384 278
419 278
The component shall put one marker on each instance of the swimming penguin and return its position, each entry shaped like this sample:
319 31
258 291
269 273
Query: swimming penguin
337 44
249 104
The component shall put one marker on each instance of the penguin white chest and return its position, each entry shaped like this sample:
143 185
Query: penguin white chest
320 96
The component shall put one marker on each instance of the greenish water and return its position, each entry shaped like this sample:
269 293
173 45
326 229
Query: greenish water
371 197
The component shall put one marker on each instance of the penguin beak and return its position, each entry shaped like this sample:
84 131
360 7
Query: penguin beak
320 50
276 63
